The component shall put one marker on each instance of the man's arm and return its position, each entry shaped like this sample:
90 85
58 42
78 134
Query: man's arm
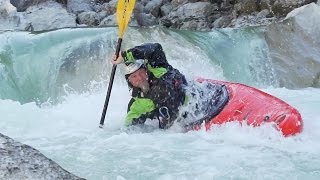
139 109
152 52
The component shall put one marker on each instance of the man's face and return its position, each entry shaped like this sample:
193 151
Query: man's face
139 79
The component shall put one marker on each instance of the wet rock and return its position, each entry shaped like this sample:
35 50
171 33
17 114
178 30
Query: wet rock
296 66
153 7
222 22
263 14
187 15
109 21
49 15
22 5
89 18
20 161
110 7
144 19
283 7
165 9
79 6
9 17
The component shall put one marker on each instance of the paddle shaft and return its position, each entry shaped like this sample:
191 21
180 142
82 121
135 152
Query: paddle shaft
106 103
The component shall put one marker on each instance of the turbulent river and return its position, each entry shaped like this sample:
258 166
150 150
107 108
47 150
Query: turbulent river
53 85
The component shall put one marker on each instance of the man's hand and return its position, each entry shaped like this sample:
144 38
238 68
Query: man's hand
115 60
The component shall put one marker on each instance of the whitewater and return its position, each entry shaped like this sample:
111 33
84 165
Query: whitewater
53 86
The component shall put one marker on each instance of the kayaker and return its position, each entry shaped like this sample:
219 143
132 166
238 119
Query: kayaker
159 91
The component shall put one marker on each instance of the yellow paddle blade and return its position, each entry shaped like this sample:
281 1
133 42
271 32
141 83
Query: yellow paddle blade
124 11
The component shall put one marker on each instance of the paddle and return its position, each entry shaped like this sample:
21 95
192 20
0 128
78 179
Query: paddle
124 11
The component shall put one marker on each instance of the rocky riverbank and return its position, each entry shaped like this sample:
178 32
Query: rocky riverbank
200 15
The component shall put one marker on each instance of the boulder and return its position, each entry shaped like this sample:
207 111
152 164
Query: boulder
110 7
79 6
22 5
109 21
89 18
9 17
144 19
49 15
153 7
20 161
296 66
222 22
187 15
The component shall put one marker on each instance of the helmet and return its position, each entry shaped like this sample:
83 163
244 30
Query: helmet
133 67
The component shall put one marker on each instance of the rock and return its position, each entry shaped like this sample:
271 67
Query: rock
79 6
49 15
64 2
165 9
109 21
144 2
20 161
9 17
89 18
138 8
222 22
250 20
296 66
283 7
176 3
246 7
102 15
110 7
153 7
263 14
7 9
22 5
97 8
195 25
197 12
144 19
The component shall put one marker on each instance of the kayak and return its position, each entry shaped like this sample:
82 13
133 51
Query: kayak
254 107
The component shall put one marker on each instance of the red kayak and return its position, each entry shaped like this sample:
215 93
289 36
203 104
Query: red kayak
255 107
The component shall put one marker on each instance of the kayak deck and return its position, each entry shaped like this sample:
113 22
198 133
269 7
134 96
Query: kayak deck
255 107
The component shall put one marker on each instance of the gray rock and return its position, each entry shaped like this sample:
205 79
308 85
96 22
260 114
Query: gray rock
20 161
109 21
7 9
250 20
97 8
263 14
138 8
222 22
10 19
165 9
89 18
102 15
296 66
79 6
49 15
22 5
178 2
283 7
144 19
197 12
110 7
246 7
153 7
144 2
